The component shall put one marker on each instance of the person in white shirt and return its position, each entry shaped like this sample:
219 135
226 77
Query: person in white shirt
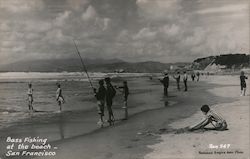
212 118
59 96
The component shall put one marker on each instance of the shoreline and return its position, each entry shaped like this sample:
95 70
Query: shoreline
131 142
137 124
233 142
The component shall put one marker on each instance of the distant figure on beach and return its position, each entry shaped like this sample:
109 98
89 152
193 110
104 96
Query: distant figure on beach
243 83
30 96
110 94
177 78
125 93
151 77
59 96
212 118
100 96
193 76
165 82
185 78
198 76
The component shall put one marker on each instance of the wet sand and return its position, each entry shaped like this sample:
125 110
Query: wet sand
232 143
77 136
80 115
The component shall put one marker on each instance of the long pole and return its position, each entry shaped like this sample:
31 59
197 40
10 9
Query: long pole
83 65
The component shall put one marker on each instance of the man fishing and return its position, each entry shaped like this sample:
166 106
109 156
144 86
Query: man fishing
110 94
102 93
100 96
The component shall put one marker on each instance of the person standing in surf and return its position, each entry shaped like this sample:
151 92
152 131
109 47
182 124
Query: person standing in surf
185 78
59 97
125 93
100 96
30 97
193 76
198 76
243 83
177 78
110 94
165 82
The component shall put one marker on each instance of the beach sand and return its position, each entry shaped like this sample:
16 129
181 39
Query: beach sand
233 143
76 135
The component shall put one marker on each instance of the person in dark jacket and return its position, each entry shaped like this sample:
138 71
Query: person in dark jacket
198 76
193 76
185 78
165 82
110 94
100 96
243 83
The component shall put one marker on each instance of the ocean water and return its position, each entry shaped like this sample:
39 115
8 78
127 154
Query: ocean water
76 90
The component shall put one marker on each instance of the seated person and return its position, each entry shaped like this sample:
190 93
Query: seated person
210 118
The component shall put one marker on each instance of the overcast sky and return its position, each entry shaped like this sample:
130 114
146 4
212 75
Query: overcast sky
132 30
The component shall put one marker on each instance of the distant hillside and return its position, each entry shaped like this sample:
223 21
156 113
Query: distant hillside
227 61
145 67
94 65
53 65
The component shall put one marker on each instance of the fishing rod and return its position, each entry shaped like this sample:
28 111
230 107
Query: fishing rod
83 65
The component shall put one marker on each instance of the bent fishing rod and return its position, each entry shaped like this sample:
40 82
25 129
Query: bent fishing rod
83 65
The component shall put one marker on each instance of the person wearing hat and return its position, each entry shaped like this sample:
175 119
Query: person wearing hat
165 82
100 96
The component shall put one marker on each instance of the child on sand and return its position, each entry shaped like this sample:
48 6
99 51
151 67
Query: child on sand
30 96
59 96
100 96
243 83
210 118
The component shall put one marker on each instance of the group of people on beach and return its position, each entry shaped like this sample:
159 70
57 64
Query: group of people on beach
59 97
213 118
210 116
105 94
177 77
